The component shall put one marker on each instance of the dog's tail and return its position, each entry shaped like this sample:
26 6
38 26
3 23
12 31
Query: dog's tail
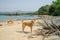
22 21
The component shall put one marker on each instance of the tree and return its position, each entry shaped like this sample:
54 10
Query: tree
43 10
55 8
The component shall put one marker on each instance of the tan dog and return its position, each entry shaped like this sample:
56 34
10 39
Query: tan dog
10 21
29 24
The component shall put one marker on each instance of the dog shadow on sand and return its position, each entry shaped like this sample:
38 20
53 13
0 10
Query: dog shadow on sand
23 32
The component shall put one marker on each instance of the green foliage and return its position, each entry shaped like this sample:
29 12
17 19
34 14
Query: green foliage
43 10
51 10
36 13
55 11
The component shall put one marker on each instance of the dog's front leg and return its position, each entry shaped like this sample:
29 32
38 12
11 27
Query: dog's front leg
31 29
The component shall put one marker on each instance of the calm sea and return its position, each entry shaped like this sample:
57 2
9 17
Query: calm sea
25 17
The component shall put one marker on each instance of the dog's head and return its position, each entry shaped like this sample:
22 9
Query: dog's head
33 21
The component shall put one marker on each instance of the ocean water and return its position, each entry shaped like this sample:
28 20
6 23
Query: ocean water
25 17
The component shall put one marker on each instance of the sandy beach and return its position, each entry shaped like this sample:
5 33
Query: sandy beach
14 32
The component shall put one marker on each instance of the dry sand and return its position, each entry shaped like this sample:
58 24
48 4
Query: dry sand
14 32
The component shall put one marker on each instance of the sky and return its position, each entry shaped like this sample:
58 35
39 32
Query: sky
22 5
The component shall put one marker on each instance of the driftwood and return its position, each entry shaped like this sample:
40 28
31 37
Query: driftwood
49 29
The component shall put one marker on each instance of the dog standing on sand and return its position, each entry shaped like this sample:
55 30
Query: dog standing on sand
29 24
